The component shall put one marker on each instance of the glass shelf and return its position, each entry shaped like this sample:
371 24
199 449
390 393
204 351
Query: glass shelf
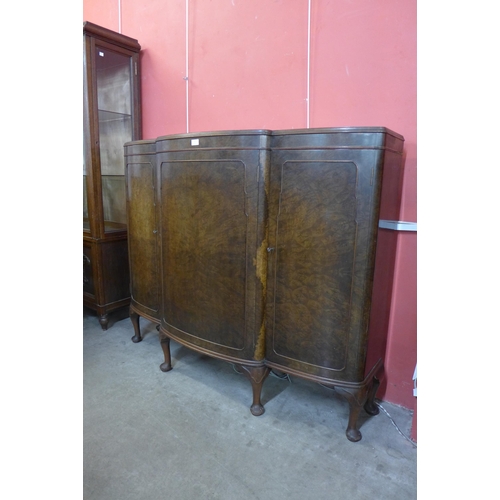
115 129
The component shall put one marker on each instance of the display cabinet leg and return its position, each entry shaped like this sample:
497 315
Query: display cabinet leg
165 345
134 317
104 320
256 375
370 407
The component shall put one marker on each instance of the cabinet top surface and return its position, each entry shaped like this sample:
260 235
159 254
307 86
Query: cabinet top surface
325 130
334 137
339 130
215 133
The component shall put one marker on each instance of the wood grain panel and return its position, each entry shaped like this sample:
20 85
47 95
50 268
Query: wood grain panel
204 223
314 244
143 230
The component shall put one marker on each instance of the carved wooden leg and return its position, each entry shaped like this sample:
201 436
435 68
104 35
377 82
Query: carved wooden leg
165 345
134 317
356 398
370 407
104 320
256 375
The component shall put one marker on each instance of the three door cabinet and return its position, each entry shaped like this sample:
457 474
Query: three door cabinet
111 117
258 247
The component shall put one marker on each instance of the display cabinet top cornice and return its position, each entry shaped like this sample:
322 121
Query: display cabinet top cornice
111 36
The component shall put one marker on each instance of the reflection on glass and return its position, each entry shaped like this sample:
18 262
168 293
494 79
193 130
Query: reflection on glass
114 203
115 129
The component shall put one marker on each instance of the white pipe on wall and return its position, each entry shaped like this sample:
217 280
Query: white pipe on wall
308 61
119 16
186 78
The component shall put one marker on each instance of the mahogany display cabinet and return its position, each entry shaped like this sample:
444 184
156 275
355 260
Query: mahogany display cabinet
263 245
111 117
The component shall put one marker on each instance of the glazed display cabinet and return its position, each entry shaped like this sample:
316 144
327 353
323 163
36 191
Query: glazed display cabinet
111 117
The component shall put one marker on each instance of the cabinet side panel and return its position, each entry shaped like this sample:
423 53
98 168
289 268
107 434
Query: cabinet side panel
387 244
142 235
88 272
115 271
204 250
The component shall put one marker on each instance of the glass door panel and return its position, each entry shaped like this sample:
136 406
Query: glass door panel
114 101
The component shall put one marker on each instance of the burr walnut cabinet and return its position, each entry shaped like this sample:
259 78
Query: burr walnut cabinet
111 117
258 247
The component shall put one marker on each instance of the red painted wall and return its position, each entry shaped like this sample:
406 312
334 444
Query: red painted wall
248 68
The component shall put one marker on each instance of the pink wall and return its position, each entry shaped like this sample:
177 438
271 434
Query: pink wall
248 68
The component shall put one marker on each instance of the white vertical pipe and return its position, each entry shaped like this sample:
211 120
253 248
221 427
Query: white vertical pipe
119 16
186 78
308 61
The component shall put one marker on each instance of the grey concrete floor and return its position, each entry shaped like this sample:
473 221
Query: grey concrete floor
188 434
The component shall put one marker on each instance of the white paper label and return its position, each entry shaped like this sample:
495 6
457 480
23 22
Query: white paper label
195 142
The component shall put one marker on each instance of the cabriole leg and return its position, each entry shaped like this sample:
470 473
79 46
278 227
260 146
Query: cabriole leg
356 399
370 407
165 345
256 375
134 317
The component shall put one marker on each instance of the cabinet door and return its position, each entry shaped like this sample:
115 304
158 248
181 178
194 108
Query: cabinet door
114 105
140 173
322 227
212 226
